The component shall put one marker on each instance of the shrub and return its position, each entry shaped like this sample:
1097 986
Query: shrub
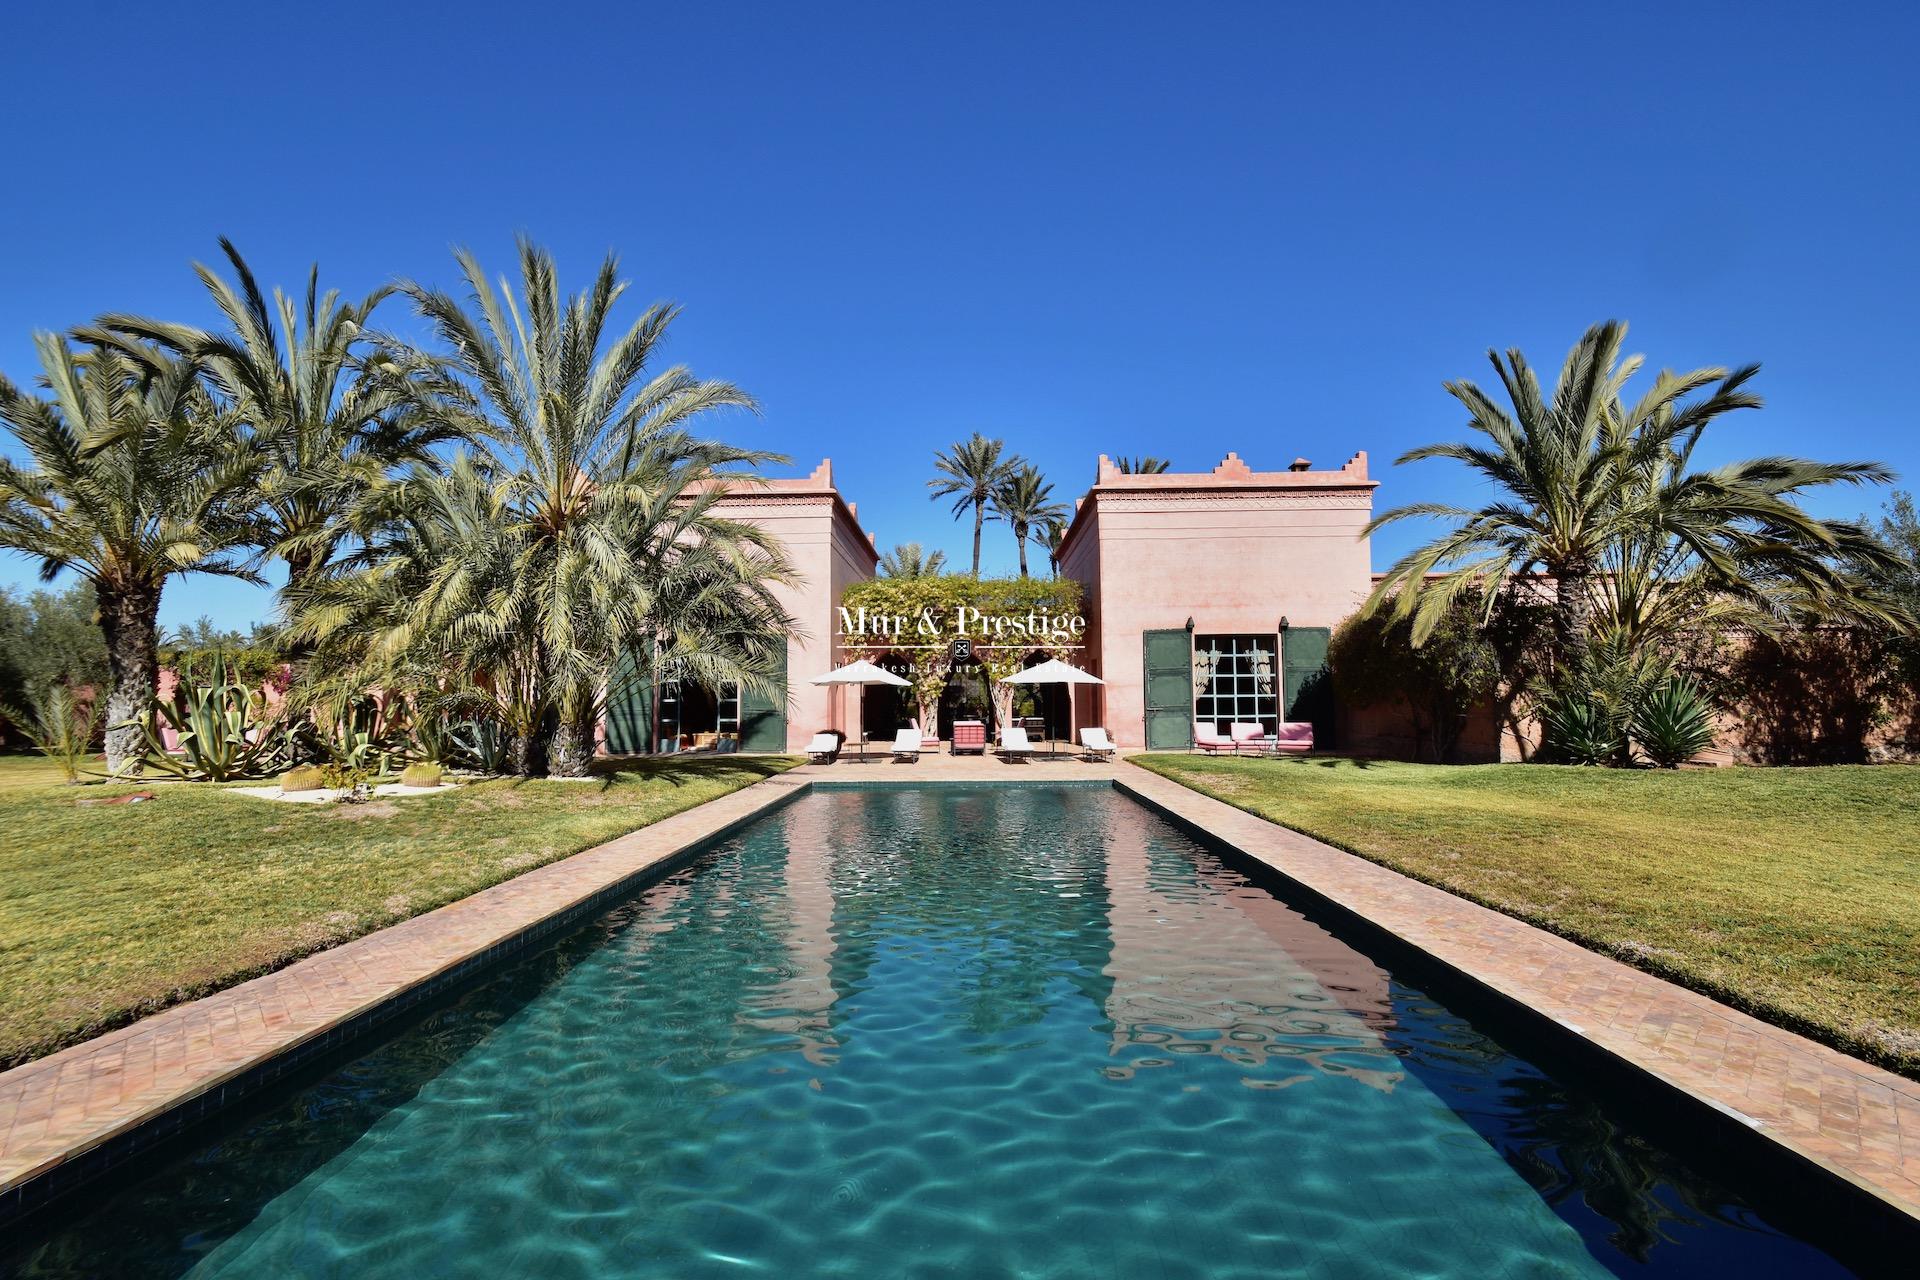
305 777
1674 723
344 777
1579 730
1472 658
421 775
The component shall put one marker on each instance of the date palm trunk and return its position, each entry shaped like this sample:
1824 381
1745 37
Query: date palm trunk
129 624
1020 537
1573 615
527 752
979 519
570 754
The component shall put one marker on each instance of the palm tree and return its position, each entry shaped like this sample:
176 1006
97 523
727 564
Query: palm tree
1052 534
1148 466
329 416
584 525
1025 501
1589 485
136 478
908 560
970 472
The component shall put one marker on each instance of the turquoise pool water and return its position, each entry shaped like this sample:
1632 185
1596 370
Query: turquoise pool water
942 1032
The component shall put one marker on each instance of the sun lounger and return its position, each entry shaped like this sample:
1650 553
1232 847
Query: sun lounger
822 748
1211 740
1014 744
906 744
1097 743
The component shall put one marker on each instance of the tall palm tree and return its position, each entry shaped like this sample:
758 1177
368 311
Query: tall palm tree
135 479
1025 501
330 417
970 472
909 560
1052 534
587 515
1589 484
1147 466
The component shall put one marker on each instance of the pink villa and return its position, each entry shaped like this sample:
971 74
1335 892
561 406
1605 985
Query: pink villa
1210 597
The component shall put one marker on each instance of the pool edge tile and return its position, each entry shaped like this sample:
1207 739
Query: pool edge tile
220 1048
1653 1030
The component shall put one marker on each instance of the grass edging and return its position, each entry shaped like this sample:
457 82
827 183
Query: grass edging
1829 1034
288 951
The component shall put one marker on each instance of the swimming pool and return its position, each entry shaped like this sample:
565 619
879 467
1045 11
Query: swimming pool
931 1031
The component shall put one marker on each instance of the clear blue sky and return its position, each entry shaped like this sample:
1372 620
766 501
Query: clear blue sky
1145 229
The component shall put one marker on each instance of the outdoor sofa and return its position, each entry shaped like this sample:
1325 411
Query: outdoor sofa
1295 737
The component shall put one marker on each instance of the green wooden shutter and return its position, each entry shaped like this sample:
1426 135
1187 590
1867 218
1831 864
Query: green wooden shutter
630 703
1308 688
1168 689
763 719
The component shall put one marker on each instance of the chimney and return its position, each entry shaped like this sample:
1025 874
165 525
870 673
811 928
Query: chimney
1299 464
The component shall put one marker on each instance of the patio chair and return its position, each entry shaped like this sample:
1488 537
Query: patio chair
1249 738
823 748
906 744
1211 740
969 736
1097 744
1295 738
1014 744
929 740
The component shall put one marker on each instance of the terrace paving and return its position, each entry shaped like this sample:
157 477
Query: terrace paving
1858 1121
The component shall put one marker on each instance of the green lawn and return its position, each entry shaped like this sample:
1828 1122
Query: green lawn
109 912
1791 893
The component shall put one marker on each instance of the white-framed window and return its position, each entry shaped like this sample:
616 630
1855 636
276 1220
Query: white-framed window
1236 681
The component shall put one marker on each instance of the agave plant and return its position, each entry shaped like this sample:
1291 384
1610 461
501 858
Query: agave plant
482 745
366 735
62 727
220 728
1674 723
1579 729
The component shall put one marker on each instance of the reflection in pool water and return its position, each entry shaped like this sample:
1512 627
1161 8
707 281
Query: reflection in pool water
982 1032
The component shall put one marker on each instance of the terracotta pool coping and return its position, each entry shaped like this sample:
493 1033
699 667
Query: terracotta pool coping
70 1117
1859 1123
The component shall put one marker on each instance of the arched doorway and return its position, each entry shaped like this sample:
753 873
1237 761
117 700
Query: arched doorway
886 709
966 697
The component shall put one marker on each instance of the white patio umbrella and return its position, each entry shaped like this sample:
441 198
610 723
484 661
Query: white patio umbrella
1054 671
862 673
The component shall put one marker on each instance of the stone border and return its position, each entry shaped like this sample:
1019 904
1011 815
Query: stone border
69 1117
1854 1124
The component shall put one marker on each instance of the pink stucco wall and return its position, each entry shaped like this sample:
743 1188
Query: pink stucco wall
829 552
1233 549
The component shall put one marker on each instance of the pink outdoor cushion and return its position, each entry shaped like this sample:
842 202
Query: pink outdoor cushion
1294 736
1243 732
1208 740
